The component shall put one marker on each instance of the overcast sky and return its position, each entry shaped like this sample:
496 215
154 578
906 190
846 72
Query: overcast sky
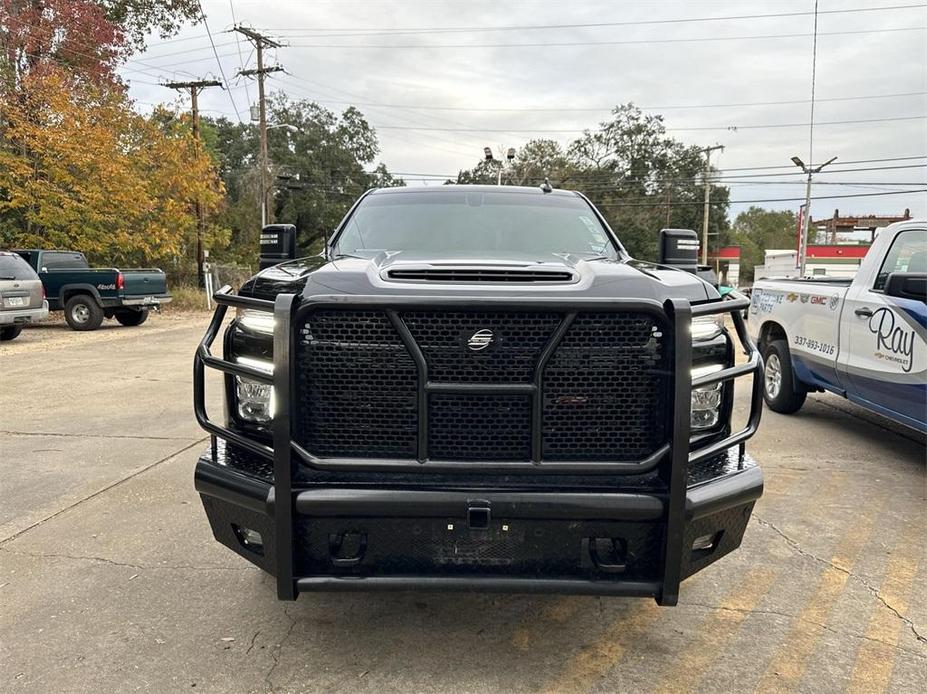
460 56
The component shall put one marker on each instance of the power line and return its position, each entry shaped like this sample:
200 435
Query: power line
743 202
595 25
238 45
731 128
218 62
591 109
631 42
419 174
855 161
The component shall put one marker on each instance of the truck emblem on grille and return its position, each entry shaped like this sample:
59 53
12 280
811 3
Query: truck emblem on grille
480 340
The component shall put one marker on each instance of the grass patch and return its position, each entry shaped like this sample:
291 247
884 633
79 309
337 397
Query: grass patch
186 298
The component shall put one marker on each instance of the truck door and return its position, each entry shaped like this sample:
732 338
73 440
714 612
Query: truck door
53 271
886 359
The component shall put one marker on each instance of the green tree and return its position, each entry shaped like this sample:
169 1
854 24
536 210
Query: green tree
318 168
641 179
756 230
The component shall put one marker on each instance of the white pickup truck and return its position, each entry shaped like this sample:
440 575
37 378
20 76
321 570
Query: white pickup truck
864 339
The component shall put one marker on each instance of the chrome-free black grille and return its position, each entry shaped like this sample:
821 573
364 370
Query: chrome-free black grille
604 389
510 356
479 427
602 395
356 387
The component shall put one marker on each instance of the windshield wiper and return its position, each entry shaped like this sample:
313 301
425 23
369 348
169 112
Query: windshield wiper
338 256
4 277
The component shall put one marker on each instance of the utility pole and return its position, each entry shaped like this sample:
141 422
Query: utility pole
260 43
707 151
806 218
195 87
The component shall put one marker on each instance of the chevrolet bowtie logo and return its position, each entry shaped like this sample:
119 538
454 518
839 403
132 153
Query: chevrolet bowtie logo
480 340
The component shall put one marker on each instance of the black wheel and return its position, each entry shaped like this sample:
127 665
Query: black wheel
132 316
10 332
779 389
82 312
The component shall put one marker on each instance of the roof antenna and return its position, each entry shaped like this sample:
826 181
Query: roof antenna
546 187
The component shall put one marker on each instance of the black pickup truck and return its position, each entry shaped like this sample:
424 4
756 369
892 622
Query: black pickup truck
477 388
88 295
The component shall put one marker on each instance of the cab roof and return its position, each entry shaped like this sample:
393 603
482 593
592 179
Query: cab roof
525 190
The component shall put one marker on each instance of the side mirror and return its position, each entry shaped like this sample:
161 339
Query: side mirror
907 285
679 248
43 269
278 244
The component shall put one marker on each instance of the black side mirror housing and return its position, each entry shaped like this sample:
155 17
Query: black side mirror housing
679 248
907 285
278 244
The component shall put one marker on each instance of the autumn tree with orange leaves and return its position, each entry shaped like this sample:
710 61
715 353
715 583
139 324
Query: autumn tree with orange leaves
78 167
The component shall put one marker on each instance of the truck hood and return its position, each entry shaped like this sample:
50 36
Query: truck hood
404 273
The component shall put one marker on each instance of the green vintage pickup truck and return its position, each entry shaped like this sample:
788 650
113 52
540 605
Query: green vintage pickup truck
88 295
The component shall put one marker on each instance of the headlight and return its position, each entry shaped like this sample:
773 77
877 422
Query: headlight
706 400
255 399
706 328
257 321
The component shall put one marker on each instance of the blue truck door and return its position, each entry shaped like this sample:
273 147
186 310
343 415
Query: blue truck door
886 363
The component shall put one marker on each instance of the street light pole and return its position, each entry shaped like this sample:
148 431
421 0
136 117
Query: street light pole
806 218
509 156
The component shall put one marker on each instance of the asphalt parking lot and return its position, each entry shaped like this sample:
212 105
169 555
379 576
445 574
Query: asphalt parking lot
110 579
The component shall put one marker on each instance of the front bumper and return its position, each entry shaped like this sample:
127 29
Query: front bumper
615 527
444 537
23 316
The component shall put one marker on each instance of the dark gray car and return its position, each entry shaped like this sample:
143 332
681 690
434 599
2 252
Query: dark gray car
22 299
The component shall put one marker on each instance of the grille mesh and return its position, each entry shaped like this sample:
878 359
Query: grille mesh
479 427
358 385
605 387
511 357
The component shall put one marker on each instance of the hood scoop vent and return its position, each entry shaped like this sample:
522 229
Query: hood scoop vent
480 275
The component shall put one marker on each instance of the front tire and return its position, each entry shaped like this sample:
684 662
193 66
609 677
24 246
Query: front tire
82 312
131 316
10 333
779 381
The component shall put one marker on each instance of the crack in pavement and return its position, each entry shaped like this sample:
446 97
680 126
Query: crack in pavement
856 577
95 436
275 653
251 645
113 562
105 489
789 615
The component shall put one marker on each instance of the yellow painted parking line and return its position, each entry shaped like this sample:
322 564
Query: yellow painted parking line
876 657
587 667
559 611
714 631
787 668
590 664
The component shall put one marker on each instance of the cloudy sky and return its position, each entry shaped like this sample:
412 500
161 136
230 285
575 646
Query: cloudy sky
442 79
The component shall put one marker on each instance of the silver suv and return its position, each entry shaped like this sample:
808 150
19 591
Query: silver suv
22 299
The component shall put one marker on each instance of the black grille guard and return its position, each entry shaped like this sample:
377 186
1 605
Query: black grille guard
673 458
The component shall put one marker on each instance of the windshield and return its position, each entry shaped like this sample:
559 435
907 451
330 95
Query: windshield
475 223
